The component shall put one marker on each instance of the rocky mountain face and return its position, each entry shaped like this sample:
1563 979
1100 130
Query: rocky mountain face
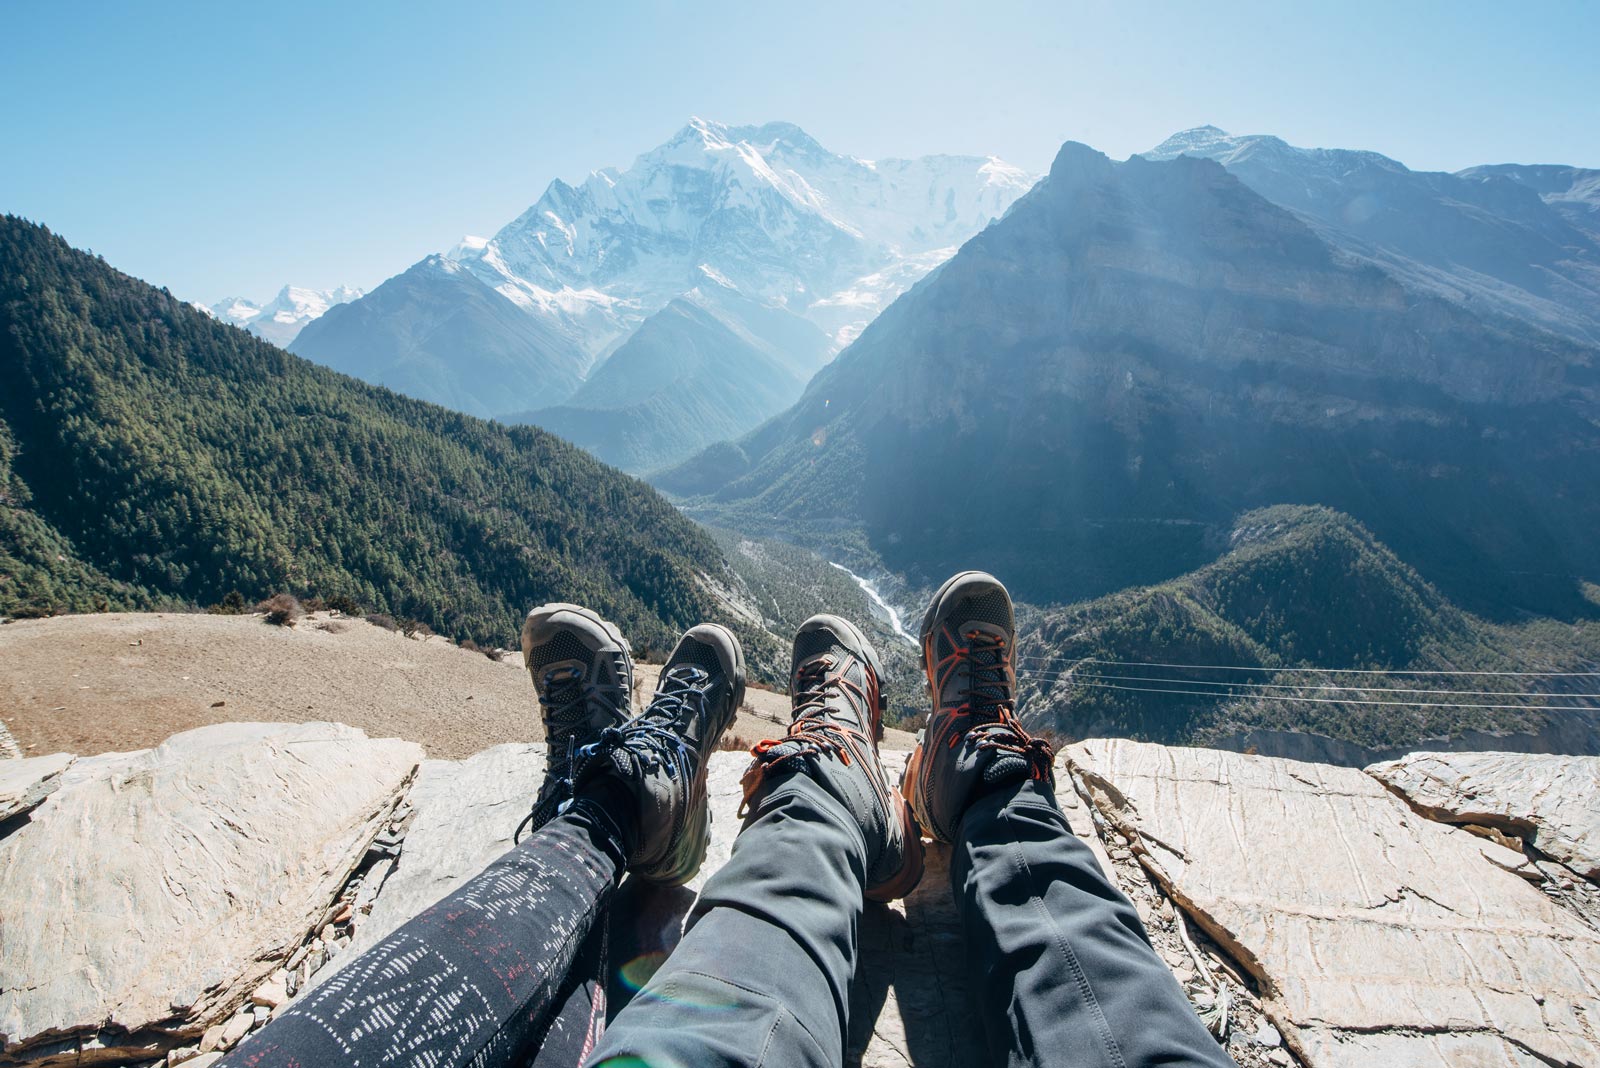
1505 240
1572 191
439 333
764 213
255 860
280 319
1088 393
705 368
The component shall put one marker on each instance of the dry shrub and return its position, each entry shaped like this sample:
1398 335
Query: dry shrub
281 609
471 646
384 620
416 628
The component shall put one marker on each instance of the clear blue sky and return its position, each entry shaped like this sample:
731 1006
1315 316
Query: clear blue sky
222 151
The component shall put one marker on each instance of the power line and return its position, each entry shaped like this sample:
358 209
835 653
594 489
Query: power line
1309 670
1306 686
1353 701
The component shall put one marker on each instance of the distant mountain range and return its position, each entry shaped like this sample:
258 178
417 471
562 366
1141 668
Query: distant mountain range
280 319
777 241
1505 240
1088 393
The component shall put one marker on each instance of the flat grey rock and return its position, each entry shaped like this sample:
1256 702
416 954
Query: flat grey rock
25 783
1553 801
465 812
1377 936
157 889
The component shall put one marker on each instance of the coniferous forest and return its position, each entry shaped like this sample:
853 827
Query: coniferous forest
152 456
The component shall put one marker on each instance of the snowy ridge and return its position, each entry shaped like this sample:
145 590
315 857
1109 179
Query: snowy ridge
280 319
763 210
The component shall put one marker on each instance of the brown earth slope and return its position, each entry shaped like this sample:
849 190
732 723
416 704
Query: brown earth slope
115 682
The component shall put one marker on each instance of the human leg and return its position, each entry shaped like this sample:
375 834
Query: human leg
762 976
481 977
1070 976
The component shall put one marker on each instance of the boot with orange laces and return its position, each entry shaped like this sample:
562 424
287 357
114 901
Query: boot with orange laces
833 737
973 741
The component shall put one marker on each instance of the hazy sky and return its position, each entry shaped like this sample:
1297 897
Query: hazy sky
222 152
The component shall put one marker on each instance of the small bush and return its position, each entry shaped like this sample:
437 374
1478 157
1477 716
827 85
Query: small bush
471 646
343 605
231 605
281 609
415 628
314 604
381 619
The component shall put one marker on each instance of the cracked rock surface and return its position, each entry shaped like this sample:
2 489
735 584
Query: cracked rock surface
25 783
1376 936
464 814
1553 802
155 890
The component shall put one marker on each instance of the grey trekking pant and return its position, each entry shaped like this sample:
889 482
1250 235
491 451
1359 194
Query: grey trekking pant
505 971
762 976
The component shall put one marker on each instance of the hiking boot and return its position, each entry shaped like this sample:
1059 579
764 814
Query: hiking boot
660 754
973 741
583 675
835 724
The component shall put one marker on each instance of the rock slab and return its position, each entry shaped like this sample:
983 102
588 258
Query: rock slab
25 783
1553 801
158 888
465 814
1377 936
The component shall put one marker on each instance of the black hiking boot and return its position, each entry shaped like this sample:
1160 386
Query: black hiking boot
583 674
659 756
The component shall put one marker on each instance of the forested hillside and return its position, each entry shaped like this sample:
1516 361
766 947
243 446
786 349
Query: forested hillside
1301 589
150 454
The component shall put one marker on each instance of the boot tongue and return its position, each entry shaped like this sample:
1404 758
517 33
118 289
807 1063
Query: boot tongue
988 687
824 699
564 699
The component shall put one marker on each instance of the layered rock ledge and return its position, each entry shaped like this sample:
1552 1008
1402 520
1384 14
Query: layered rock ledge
1377 937
1312 915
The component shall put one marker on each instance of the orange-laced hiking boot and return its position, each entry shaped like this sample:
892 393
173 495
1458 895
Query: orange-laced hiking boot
973 740
833 736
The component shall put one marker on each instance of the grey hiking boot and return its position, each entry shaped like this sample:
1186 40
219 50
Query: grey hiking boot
973 741
834 683
583 674
660 754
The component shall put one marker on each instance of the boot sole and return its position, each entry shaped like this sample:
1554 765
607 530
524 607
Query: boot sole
533 625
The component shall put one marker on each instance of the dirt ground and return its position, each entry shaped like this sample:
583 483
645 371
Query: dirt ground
101 683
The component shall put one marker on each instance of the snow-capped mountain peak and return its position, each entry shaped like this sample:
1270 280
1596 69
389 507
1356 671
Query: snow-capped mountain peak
280 319
765 210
